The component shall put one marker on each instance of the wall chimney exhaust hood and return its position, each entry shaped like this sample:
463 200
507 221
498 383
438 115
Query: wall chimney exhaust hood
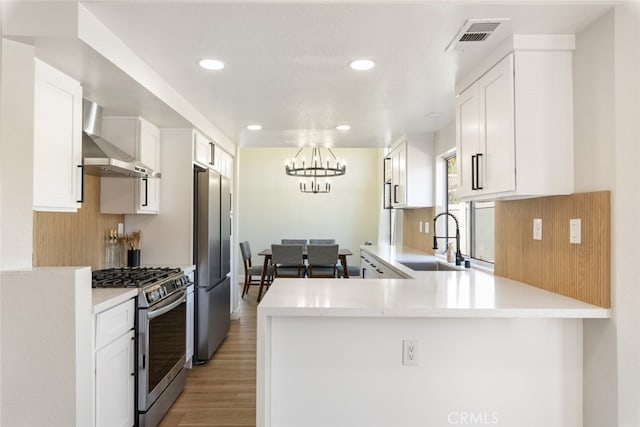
101 157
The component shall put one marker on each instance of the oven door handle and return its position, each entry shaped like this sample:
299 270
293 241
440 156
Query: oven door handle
170 306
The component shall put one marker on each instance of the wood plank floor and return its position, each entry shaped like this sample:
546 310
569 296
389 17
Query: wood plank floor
222 393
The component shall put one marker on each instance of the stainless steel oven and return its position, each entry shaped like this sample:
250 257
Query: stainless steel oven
161 351
160 335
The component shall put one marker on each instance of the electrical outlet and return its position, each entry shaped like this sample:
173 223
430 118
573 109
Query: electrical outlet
537 229
426 227
575 231
420 224
410 353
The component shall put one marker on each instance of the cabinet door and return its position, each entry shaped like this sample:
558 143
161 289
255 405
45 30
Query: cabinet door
399 176
203 150
115 383
141 140
497 168
467 139
149 154
57 156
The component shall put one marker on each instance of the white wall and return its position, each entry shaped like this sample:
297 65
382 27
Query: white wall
607 132
16 156
626 211
272 207
594 161
166 238
47 365
508 372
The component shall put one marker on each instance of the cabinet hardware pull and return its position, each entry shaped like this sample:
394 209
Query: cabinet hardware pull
478 186
81 167
395 193
146 191
473 172
212 153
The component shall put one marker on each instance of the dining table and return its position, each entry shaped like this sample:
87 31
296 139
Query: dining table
343 253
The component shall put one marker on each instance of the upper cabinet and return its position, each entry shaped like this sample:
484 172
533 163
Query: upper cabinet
514 125
208 155
57 145
141 140
204 150
411 161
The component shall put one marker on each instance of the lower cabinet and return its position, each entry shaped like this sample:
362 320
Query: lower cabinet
114 366
373 268
115 382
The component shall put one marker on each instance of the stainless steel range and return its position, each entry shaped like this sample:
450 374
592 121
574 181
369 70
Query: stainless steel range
160 335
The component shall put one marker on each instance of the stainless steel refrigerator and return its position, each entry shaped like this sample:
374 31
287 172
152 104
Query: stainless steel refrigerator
211 237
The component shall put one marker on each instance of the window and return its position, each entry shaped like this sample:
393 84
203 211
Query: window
476 219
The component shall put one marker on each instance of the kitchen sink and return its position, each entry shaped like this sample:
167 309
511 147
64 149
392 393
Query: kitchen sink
429 266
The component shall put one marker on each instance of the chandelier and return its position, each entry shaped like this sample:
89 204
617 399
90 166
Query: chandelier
315 185
314 174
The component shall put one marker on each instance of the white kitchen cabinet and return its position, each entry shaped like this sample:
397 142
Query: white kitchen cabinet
207 154
412 171
114 365
485 115
57 141
115 382
141 140
203 150
514 127
374 268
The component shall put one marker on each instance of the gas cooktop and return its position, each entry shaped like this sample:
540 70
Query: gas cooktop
132 277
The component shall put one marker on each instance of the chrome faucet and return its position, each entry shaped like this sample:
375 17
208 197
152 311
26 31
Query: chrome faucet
459 257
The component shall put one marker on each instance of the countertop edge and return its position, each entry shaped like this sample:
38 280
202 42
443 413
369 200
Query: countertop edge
106 298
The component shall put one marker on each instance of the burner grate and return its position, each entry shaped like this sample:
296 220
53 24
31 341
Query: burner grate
130 277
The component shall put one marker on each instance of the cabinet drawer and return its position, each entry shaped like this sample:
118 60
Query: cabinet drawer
114 322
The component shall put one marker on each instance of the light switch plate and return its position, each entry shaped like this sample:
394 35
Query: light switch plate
575 231
426 227
537 229
420 225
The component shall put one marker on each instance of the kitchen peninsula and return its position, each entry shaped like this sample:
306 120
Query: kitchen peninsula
485 348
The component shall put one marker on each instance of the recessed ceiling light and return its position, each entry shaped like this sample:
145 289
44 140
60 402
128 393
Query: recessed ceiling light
362 64
343 127
211 64
435 115
254 127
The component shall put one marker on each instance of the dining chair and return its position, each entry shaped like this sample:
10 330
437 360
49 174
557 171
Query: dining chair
251 271
354 271
322 260
322 241
287 260
302 242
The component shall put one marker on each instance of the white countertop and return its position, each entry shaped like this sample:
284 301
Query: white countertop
469 293
105 298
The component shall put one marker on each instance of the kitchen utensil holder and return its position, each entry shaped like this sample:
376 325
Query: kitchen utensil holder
133 258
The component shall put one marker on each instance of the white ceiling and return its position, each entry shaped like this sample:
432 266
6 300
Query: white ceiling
287 64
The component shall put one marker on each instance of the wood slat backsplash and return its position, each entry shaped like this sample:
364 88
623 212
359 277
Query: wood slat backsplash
74 239
580 271
411 235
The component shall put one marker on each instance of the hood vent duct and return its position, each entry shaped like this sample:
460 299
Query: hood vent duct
101 157
473 33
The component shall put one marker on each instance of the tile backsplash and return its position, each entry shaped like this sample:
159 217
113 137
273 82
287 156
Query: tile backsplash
581 271
74 239
412 222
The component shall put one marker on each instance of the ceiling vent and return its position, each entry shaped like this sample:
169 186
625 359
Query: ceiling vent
473 33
